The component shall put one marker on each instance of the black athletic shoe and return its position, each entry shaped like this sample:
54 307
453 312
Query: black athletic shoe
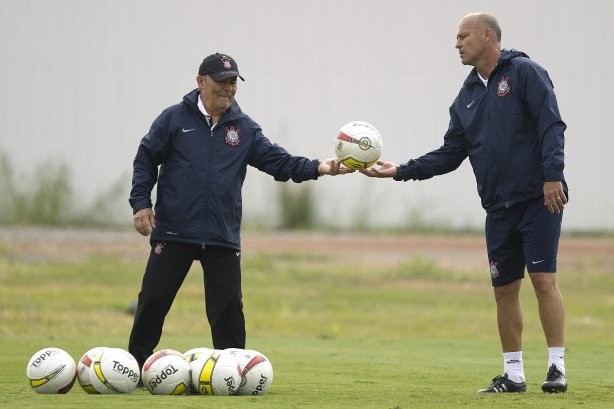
555 382
503 384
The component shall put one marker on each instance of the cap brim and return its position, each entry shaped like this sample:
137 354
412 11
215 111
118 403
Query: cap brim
223 75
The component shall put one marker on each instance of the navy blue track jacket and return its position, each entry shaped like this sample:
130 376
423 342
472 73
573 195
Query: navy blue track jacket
201 172
511 131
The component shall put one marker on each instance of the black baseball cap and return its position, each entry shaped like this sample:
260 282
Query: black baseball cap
219 67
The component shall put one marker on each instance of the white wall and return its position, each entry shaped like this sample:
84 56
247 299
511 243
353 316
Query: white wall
81 81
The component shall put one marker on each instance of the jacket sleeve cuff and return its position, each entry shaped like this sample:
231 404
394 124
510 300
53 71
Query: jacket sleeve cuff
140 206
314 168
554 176
404 171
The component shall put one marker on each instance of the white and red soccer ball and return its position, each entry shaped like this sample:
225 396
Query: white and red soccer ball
358 145
256 372
166 372
83 369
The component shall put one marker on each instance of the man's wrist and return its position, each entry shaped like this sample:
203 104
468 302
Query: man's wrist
318 171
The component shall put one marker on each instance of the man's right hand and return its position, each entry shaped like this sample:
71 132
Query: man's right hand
144 221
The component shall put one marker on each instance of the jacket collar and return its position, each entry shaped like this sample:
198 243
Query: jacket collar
234 112
505 59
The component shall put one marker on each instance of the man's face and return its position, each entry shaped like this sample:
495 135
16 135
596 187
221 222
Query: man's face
470 41
217 96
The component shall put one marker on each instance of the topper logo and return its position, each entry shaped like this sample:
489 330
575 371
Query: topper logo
41 358
165 373
124 370
261 384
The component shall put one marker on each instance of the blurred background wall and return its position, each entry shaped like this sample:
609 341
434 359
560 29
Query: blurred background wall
82 80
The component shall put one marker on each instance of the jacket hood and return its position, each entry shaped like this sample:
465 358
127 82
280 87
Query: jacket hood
190 98
508 55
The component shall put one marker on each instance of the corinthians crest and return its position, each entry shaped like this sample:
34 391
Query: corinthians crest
159 247
503 86
494 271
232 136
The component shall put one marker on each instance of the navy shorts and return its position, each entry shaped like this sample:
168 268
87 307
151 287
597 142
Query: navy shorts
521 236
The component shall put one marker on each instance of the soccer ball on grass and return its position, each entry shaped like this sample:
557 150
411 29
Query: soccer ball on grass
256 372
83 369
51 370
216 374
195 353
166 372
114 370
191 356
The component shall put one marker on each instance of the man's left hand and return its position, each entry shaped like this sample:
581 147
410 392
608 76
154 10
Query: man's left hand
554 197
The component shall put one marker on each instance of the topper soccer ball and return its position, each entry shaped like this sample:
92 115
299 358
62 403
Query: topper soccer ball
191 356
195 353
114 370
83 369
51 370
217 374
358 145
166 372
256 372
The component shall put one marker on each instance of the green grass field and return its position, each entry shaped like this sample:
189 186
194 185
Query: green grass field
339 331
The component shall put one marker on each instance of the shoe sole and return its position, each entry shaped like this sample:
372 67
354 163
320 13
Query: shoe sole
520 390
554 389
483 392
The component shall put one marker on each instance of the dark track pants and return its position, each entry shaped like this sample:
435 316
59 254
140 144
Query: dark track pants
167 267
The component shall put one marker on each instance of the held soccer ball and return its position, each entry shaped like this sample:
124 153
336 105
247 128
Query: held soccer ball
256 372
114 370
217 374
166 372
358 145
51 370
83 369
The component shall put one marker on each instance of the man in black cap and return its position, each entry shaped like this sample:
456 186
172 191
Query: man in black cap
197 151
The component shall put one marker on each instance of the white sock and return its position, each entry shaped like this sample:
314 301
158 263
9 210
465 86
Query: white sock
512 366
556 355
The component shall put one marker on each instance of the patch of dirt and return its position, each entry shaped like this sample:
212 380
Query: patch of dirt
456 252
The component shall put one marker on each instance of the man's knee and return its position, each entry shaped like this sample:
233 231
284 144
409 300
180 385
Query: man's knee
544 283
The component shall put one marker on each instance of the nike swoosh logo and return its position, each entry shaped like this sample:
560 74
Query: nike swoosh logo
187 130
537 262
238 253
471 103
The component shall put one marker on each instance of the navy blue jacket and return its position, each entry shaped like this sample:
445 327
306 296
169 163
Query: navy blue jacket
511 131
201 172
